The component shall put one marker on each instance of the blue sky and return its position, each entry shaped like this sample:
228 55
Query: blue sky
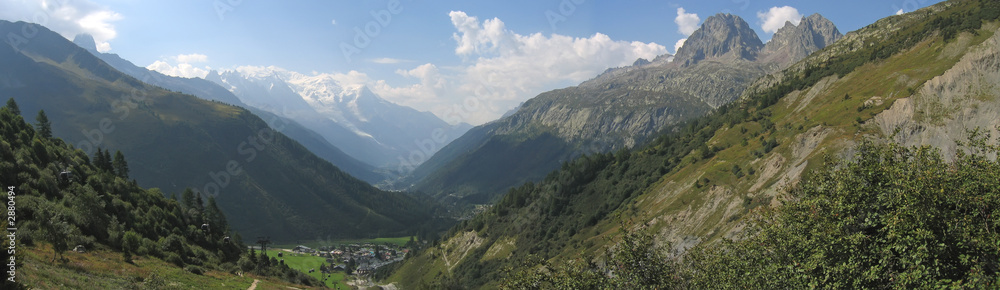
473 58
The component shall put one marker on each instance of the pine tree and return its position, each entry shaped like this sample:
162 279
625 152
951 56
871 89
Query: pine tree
44 126
120 165
215 215
107 166
98 158
199 203
12 106
187 198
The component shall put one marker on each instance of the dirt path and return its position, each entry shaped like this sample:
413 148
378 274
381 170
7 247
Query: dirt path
254 285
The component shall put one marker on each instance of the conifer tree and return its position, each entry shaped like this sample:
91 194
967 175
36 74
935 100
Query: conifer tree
98 158
12 106
215 215
107 162
120 165
44 126
187 198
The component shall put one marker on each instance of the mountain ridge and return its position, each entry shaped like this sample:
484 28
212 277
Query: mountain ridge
209 91
616 110
217 149
382 133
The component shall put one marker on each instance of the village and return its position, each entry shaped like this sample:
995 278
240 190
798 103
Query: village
354 259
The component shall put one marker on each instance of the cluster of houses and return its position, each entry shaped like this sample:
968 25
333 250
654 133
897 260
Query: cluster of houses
359 259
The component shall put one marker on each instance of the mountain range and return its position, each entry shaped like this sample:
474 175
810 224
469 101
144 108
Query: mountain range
617 110
209 91
265 182
699 188
351 117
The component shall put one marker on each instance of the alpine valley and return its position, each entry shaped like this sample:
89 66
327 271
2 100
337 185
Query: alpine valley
814 159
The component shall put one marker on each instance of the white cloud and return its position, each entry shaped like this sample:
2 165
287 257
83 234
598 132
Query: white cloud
687 23
900 11
184 70
66 17
184 67
775 18
502 69
334 21
191 58
677 46
387 60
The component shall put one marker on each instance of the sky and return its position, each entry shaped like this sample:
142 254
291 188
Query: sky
461 60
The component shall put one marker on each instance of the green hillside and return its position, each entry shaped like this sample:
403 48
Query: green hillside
59 199
266 183
702 184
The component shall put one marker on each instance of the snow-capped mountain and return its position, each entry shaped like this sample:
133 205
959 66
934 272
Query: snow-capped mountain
351 117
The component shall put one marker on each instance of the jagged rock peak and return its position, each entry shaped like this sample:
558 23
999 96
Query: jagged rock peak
791 42
722 35
86 41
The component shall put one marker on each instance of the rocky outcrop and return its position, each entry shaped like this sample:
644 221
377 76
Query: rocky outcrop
623 107
946 107
792 43
722 35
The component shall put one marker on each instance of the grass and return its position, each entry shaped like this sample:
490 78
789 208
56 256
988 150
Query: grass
304 262
103 269
315 244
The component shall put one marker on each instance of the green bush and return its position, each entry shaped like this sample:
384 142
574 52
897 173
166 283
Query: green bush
194 269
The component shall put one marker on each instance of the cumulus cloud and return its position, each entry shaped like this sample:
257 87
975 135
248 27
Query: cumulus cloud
679 44
184 70
67 17
900 11
191 58
775 18
387 60
183 67
687 23
503 68
499 70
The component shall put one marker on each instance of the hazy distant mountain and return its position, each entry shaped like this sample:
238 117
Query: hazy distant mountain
353 118
620 108
211 91
266 183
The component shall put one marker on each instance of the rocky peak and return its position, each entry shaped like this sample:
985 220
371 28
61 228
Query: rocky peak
722 35
86 41
792 42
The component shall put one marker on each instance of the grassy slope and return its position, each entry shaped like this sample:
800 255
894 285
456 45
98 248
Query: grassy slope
102 269
304 263
678 209
174 141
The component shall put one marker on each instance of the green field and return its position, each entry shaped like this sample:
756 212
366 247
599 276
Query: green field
304 262
315 244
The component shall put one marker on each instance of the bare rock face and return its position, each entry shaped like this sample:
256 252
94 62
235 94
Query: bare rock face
946 107
722 35
792 43
623 107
